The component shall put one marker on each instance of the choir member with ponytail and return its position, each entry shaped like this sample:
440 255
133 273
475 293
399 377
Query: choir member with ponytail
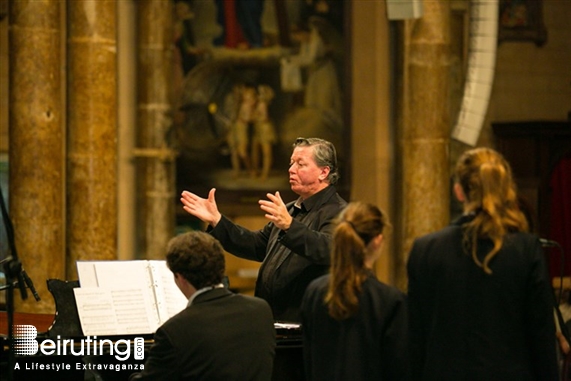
480 301
354 327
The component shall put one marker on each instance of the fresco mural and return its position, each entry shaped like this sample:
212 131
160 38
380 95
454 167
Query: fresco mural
250 77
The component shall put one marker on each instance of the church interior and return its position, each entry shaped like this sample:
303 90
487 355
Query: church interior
109 110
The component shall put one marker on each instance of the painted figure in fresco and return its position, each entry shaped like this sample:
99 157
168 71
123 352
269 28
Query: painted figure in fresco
184 38
317 49
264 135
239 134
241 23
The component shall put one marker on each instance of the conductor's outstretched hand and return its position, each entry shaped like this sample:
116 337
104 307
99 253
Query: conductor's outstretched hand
276 211
204 209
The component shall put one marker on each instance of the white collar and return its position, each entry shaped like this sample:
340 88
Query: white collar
202 291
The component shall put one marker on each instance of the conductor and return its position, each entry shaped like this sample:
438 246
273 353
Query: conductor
294 246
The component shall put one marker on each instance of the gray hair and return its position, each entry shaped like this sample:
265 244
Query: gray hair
324 155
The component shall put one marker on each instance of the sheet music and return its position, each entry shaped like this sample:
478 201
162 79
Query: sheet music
135 312
142 294
96 311
104 311
87 274
170 300
115 274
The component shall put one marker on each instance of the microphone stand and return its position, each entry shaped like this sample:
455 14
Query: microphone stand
15 277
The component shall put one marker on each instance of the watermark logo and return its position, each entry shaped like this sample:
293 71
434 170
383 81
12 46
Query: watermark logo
25 343
25 339
139 348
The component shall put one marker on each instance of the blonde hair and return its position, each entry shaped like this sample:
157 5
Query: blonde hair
487 182
356 226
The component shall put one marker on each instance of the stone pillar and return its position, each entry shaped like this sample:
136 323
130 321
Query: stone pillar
425 126
372 163
92 132
36 165
127 116
156 166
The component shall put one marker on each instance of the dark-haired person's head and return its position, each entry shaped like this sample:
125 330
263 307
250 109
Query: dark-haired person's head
313 166
197 257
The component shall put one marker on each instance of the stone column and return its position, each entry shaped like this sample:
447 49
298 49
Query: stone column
92 132
126 115
425 126
36 168
372 162
156 167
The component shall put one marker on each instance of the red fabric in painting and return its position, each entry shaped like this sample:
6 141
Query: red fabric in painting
234 35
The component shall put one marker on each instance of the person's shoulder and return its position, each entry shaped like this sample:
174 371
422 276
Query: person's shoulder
382 297
331 198
317 286
177 320
314 295
526 237
252 301
319 282
340 200
435 245
335 196
448 231
522 242
249 299
255 309
386 289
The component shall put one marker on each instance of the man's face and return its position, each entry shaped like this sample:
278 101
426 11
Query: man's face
305 177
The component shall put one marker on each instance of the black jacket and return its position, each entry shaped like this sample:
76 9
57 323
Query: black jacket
221 336
291 259
372 345
468 325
